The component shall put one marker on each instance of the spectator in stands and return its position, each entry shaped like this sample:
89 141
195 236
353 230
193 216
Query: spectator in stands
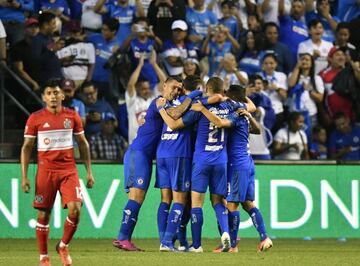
59 8
91 21
318 147
13 18
199 20
217 43
105 46
342 36
162 14
322 13
252 53
95 109
306 91
283 53
276 88
316 46
122 11
348 10
231 18
77 57
20 55
290 143
270 9
43 50
69 88
142 42
107 145
335 102
344 142
177 49
139 95
292 28
230 73
191 68
2 43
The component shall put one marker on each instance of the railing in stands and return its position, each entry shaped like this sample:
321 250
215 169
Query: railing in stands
5 70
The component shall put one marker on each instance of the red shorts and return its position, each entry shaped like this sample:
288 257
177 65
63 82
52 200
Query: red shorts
49 182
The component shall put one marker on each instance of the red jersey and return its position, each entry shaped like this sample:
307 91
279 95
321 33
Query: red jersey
54 134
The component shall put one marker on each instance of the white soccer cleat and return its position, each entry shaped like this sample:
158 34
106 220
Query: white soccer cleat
165 248
265 245
196 250
225 241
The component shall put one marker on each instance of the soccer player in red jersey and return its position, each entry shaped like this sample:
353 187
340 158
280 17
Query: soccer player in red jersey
54 126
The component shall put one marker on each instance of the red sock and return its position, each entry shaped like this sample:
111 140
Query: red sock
70 227
42 235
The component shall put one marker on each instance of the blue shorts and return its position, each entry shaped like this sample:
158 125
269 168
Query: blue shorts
212 176
173 173
241 183
137 169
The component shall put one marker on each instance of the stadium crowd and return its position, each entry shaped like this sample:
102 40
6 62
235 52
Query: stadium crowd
299 61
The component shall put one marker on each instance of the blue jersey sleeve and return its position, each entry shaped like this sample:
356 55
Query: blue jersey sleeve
233 118
238 105
195 94
191 117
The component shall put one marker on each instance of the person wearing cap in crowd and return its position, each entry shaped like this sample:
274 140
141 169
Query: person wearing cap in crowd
162 13
13 18
333 101
21 58
177 49
107 145
77 57
70 101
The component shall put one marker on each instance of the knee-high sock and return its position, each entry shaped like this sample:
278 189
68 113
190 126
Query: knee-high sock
173 223
197 221
234 222
258 222
222 217
162 217
70 227
128 222
181 233
42 235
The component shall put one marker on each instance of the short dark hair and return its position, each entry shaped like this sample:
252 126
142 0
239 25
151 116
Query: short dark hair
229 3
174 78
293 116
51 83
342 25
312 23
254 14
316 129
112 24
138 19
269 54
236 92
215 85
87 84
140 80
45 17
270 24
192 82
340 115
255 77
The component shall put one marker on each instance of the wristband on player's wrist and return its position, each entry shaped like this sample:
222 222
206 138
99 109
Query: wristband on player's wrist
161 107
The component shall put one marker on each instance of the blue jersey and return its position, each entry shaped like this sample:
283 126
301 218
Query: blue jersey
200 21
232 24
250 63
58 4
217 53
210 145
103 51
76 8
348 10
292 33
147 71
339 140
125 16
148 135
328 32
238 143
14 14
177 143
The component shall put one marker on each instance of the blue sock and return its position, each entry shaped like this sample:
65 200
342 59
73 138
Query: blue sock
130 215
162 216
234 222
181 233
197 221
173 223
258 222
222 217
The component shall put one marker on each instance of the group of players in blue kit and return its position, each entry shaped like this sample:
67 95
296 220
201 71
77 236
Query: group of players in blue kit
219 126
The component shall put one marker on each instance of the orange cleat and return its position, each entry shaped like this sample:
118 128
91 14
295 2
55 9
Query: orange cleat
64 255
218 249
45 261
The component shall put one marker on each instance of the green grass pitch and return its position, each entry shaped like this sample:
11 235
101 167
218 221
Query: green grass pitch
100 252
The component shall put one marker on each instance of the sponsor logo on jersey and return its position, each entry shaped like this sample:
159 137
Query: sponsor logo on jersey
46 125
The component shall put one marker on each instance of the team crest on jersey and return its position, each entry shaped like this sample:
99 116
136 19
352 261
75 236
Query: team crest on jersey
140 181
187 184
39 198
67 123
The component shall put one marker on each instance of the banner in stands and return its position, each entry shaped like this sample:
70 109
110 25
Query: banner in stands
296 201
